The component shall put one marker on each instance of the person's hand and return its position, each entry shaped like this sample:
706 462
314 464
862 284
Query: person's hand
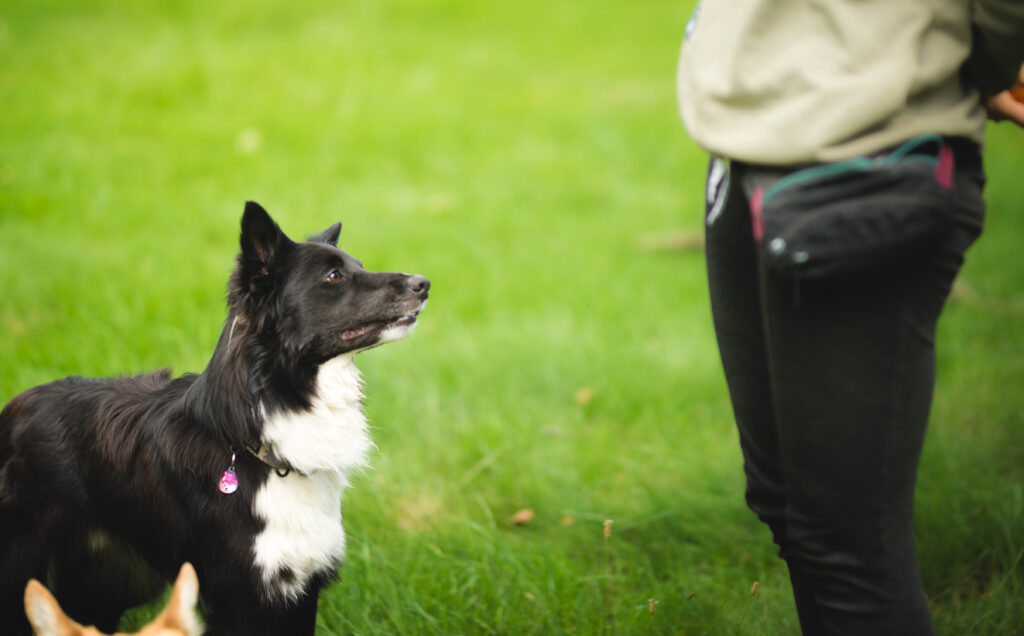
1008 105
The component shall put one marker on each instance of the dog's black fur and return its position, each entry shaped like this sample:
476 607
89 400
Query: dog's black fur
108 485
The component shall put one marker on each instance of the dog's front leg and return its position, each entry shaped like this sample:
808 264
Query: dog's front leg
302 616
254 618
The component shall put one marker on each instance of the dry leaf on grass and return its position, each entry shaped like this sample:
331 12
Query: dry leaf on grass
523 517
671 241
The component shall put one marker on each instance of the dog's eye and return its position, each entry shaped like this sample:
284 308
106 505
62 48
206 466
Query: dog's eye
335 276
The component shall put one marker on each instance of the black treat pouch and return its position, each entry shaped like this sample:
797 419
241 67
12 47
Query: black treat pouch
857 215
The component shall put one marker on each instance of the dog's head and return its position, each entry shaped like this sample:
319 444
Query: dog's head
314 301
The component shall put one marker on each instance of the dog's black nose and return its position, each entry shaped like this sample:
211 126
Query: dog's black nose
418 284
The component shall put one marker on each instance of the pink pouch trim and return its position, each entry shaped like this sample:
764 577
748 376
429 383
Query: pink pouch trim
945 168
756 214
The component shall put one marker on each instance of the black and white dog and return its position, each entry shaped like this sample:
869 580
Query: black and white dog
108 485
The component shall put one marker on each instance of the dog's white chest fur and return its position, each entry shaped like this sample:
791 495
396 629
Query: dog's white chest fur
302 511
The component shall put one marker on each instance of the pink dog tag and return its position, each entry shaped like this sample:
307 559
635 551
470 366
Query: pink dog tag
228 482
228 479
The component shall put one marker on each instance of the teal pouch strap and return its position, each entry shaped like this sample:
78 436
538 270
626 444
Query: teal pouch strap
911 150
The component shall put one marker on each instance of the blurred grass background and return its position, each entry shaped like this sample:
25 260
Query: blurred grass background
527 157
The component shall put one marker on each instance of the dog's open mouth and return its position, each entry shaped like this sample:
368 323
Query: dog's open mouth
407 320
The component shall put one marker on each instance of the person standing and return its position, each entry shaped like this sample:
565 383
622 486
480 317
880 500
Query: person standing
844 189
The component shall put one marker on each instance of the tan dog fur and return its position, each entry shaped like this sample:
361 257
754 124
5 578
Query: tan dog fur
177 619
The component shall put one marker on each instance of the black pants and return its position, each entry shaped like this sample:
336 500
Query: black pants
831 384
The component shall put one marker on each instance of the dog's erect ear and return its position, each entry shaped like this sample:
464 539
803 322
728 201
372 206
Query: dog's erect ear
180 614
44 613
329 236
261 239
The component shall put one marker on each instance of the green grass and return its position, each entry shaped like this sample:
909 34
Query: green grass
520 155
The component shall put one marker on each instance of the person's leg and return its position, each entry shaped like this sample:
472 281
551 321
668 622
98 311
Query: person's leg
852 368
736 306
